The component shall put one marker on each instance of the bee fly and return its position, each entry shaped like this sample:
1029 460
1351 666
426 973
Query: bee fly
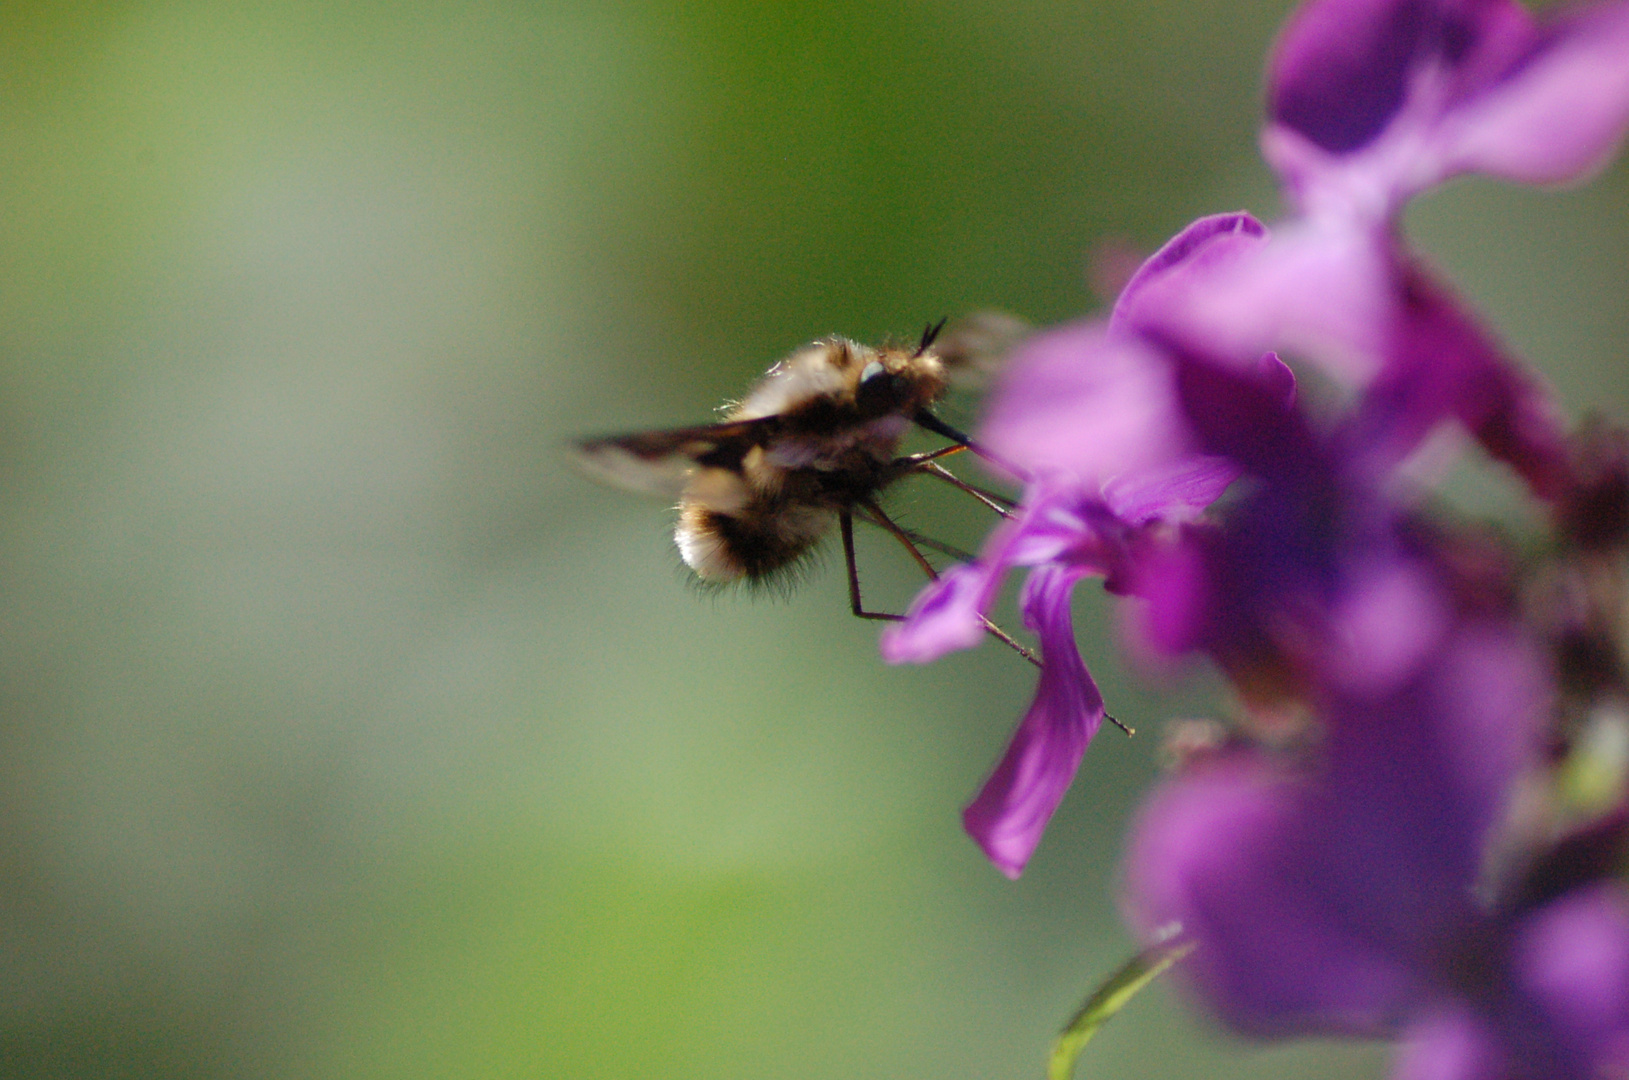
815 442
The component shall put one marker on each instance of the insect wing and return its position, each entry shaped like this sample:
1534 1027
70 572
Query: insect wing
975 347
660 462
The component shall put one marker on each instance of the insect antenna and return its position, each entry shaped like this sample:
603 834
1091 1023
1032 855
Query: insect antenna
930 333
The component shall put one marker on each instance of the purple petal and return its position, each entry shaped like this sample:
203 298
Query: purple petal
1055 523
1051 525
1320 902
1237 590
1174 493
1321 287
1450 1043
1013 807
1240 415
1196 251
1087 404
1441 365
945 616
1343 70
1339 72
1346 299
1230 852
1174 583
1372 101
1561 114
1275 375
1389 619
1419 774
1573 958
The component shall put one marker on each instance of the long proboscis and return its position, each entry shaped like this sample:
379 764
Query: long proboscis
929 422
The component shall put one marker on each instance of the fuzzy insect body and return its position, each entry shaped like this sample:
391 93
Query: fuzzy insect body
814 441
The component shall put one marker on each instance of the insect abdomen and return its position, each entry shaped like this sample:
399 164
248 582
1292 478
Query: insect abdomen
731 529
723 548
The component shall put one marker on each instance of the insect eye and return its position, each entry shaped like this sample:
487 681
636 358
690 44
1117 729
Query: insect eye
879 391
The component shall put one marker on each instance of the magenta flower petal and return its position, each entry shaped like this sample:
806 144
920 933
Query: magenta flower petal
948 614
1344 71
1230 852
1560 114
1573 959
1441 365
1174 493
1178 595
1343 297
1013 807
1372 101
1322 895
1419 772
1094 404
1195 253
1450 1043
1085 404
944 617
1055 523
1387 621
1323 288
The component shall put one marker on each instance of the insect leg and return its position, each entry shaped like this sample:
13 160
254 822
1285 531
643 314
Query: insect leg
874 514
845 521
940 546
915 461
1000 504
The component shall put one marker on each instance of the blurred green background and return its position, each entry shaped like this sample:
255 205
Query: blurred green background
348 733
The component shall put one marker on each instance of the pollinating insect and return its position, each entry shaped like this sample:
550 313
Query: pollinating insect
811 446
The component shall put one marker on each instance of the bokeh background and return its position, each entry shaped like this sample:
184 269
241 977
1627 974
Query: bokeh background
347 732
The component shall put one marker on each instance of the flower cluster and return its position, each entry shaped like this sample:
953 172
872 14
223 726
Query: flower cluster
1388 855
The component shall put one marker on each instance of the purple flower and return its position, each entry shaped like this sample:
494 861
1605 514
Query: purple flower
1012 809
1373 101
1346 891
1067 538
1362 307
1440 365
1132 427
1093 412
1339 878
1094 403
1342 886
1369 851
